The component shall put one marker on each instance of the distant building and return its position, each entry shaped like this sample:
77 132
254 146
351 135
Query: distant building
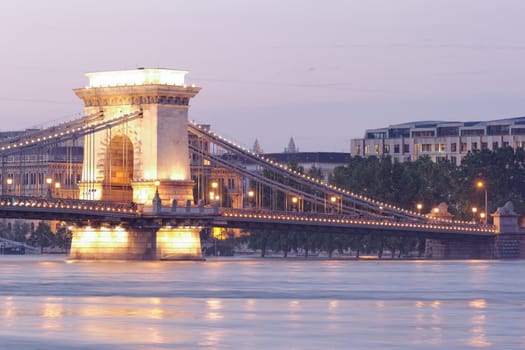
439 140
257 147
41 171
291 148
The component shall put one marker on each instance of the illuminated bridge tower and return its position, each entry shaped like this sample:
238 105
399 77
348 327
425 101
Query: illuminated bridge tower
126 162
134 159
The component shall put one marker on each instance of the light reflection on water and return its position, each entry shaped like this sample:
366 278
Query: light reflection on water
261 304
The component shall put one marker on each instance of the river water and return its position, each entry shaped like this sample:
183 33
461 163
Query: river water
47 302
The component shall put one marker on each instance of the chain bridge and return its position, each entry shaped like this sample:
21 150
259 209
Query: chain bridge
137 180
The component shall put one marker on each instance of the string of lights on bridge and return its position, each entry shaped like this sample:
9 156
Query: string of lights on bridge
380 205
342 221
57 135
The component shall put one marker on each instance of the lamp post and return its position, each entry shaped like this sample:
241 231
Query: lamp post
48 182
333 200
474 211
419 206
294 203
482 185
57 188
215 190
251 194
9 183
337 207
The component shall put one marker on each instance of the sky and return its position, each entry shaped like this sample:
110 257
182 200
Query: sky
321 72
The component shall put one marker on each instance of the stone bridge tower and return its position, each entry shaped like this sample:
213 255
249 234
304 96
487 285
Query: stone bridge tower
133 160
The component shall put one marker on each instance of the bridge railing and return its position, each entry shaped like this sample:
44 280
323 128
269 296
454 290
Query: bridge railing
64 203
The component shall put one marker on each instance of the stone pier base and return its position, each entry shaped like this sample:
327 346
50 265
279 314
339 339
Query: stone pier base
510 246
179 244
117 243
459 248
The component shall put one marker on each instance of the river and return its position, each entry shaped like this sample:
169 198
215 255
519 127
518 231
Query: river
47 302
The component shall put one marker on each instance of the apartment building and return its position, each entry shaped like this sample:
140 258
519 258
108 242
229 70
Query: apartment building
439 140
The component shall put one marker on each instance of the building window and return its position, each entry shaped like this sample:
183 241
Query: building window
357 149
484 145
473 132
448 131
505 144
406 148
427 133
517 131
367 149
426 147
376 135
463 147
454 160
396 148
453 147
497 130
474 146
495 145
376 149
442 147
386 148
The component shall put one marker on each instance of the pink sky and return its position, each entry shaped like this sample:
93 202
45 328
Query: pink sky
321 71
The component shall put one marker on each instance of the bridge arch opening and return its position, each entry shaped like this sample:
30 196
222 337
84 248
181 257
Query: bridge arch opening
118 173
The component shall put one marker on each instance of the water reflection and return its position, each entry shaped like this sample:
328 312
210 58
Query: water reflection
214 308
52 313
478 336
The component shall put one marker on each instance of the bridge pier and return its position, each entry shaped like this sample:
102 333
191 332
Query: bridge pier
459 248
117 243
510 242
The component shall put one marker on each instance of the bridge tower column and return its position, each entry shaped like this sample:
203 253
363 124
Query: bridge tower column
140 160
124 163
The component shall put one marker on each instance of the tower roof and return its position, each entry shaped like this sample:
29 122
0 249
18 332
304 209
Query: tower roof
141 76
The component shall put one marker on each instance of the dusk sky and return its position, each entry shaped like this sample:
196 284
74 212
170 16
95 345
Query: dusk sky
318 71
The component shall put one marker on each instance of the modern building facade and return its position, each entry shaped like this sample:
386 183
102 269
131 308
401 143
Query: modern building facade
439 140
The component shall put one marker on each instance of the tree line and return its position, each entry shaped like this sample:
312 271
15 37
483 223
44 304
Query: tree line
40 236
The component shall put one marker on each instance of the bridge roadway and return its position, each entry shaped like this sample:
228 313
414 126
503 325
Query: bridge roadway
83 212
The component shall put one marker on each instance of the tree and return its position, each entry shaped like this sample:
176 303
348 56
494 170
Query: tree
43 236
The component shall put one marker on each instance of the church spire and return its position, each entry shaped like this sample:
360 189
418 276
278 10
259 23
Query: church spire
257 147
291 147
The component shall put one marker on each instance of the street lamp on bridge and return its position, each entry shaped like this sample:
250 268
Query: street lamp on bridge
419 206
474 211
337 206
482 185
251 195
48 182
9 183
57 188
